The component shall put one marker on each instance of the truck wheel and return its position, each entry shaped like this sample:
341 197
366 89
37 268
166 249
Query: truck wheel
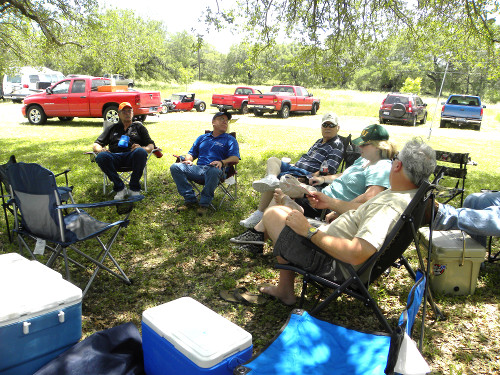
36 115
65 118
244 109
477 127
111 114
200 107
423 121
381 120
442 124
284 111
414 121
130 85
258 113
140 118
314 109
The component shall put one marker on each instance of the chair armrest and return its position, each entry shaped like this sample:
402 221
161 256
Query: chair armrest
102 204
65 173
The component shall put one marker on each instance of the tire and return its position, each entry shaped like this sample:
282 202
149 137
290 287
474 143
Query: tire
424 120
200 107
314 109
442 124
164 109
414 121
258 113
381 120
111 114
130 85
477 127
36 115
244 109
284 111
141 118
398 110
65 119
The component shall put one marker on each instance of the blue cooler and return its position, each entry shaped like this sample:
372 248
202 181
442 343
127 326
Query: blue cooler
186 337
40 315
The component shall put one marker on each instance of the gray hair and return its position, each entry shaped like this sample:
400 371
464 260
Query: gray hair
419 160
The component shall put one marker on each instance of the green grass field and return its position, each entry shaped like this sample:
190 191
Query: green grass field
171 255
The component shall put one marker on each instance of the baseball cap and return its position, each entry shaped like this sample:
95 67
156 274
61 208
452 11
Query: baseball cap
218 114
123 105
330 117
373 132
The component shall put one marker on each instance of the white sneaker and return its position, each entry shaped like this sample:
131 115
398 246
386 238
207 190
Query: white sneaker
252 220
121 194
268 183
133 193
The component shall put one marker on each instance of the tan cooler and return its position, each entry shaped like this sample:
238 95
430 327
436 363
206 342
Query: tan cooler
454 267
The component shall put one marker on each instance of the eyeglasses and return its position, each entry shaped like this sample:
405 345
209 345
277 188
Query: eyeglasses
365 144
395 157
328 125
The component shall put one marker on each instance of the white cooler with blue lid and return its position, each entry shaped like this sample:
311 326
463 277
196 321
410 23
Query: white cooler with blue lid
40 315
185 337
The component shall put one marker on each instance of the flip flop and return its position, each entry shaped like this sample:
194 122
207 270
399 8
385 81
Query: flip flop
231 296
249 298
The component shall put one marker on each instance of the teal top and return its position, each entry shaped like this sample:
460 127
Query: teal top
356 179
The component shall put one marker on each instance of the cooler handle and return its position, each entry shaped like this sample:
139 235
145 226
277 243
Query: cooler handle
61 316
26 327
463 249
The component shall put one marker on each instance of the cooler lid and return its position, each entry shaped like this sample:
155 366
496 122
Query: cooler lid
449 243
200 334
28 288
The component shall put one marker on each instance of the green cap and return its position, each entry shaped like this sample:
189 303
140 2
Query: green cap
373 132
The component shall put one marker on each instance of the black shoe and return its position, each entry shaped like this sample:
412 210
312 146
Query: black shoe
251 236
251 248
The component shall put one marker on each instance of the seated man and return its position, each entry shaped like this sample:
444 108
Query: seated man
327 149
213 150
131 152
479 217
355 235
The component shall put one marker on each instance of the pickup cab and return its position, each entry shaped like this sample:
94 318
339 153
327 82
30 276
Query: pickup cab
85 96
236 102
283 99
462 111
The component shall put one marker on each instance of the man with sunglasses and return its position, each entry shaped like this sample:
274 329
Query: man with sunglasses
326 151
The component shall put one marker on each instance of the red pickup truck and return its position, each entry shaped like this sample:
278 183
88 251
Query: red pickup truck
283 99
237 101
85 96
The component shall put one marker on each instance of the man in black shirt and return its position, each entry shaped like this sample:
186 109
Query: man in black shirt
129 145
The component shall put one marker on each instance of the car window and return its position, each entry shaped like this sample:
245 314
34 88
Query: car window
34 78
304 92
99 82
299 91
61 88
78 86
393 99
240 91
14 79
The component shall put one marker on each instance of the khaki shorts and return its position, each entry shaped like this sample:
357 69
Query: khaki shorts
301 252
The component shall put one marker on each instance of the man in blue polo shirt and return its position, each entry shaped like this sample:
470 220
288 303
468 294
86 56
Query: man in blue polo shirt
213 150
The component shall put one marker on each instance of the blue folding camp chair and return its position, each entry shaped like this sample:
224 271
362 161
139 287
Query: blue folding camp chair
40 216
307 345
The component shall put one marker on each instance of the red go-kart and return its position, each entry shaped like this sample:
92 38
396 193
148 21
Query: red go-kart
182 101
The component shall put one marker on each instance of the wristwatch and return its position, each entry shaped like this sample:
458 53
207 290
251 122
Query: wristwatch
311 232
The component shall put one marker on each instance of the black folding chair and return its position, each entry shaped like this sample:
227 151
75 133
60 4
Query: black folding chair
351 152
392 250
450 166
42 219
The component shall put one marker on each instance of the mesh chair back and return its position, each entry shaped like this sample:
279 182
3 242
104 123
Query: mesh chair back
36 196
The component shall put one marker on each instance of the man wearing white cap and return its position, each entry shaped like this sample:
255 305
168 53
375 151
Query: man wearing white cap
327 149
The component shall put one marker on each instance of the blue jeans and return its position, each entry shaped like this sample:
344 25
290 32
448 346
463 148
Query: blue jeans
136 160
287 168
207 175
480 216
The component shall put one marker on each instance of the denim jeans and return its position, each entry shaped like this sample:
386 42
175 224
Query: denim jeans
287 168
480 216
207 175
136 160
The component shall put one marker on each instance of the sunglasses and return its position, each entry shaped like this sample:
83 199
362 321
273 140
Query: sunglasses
395 157
328 125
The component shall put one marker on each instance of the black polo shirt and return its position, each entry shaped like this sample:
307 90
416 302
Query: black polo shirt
111 136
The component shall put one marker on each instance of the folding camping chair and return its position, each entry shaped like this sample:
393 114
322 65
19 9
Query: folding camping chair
64 191
228 183
351 153
445 192
392 250
307 345
37 199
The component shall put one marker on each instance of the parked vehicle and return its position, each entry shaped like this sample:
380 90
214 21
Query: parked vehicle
84 96
182 101
462 111
120 80
28 80
236 102
283 99
405 109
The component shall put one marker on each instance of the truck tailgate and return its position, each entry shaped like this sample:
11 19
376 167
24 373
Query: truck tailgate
257 99
222 99
464 111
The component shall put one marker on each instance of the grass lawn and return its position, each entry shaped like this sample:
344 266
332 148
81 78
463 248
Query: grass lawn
171 255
